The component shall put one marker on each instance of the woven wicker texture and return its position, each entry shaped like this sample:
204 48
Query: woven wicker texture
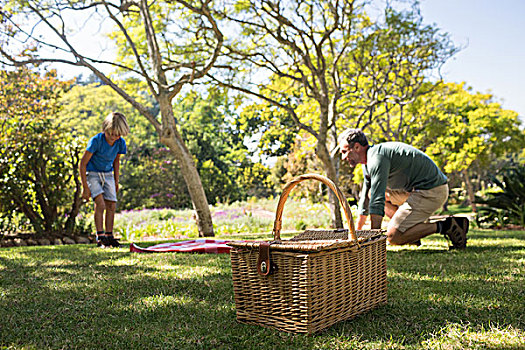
321 276
314 240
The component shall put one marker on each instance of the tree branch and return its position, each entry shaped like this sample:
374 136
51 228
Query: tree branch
288 109
133 48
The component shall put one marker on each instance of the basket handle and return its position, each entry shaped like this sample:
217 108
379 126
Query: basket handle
290 185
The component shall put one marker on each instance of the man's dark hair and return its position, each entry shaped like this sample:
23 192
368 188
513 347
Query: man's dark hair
352 136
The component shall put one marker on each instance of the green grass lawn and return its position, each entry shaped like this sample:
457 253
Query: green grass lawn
68 297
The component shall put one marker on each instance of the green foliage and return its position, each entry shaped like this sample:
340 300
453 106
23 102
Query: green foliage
217 146
254 180
151 179
38 158
458 128
468 134
226 170
86 104
505 204
272 127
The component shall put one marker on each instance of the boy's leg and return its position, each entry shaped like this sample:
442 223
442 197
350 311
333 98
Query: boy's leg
100 207
110 215
110 198
95 184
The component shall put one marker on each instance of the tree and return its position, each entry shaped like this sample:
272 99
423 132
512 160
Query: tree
219 152
161 59
211 133
328 66
38 159
462 130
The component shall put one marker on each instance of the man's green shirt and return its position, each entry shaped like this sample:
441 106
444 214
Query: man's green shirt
397 166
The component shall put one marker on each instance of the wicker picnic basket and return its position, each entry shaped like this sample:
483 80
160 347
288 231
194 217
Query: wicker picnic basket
313 280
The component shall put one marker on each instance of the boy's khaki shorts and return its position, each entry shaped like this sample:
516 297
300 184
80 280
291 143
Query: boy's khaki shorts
415 207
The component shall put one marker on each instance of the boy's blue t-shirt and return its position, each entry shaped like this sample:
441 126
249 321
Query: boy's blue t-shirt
103 154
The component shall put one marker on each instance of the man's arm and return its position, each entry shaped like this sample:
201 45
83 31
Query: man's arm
376 221
379 168
362 207
361 221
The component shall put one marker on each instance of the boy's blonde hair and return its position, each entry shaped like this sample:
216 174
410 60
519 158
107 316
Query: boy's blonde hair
117 122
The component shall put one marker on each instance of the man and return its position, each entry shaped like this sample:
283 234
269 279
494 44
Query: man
406 185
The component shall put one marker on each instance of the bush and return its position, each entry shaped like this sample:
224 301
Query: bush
506 204
151 179
38 159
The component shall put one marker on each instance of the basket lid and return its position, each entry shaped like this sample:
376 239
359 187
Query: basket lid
316 240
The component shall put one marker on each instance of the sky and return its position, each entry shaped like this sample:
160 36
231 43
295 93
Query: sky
492 35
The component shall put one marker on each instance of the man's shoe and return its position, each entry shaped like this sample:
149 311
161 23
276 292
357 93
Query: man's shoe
416 243
455 229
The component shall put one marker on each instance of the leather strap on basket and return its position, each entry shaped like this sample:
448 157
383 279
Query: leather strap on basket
263 261
290 185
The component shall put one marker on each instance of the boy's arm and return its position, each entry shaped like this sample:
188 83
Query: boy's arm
86 193
116 170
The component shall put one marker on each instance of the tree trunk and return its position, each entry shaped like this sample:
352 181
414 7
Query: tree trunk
171 137
470 190
324 155
77 196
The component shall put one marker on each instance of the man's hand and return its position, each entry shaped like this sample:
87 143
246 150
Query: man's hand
361 222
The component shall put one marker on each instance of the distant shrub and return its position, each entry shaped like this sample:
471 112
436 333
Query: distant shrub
505 205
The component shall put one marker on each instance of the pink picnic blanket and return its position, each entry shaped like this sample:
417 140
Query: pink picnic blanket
213 246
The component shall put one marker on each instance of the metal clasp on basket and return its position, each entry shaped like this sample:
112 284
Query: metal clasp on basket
263 268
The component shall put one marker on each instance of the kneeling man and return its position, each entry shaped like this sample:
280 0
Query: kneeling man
406 185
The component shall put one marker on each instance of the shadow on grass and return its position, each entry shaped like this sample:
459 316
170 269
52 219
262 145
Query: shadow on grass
110 299
83 297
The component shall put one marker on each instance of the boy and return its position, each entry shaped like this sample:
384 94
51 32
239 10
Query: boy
99 173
